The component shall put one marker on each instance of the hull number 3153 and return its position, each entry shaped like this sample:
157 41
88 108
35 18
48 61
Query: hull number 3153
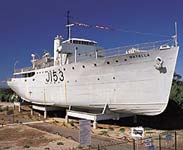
54 76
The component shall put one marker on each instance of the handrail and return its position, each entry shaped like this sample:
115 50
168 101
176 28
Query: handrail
108 53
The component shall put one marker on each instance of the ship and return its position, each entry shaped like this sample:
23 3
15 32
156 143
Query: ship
133 79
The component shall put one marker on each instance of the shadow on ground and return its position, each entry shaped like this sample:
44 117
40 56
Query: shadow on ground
170 119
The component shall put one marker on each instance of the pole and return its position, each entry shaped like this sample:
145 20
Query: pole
175 140
133 144
159 142
15 65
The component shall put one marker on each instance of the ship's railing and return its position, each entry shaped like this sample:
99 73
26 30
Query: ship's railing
27 69
139 47
107 53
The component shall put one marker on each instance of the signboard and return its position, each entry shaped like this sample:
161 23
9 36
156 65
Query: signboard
152 147
137 132
148 142
168 137
85 134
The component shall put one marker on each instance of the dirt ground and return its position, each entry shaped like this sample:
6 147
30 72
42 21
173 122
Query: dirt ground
19 137
55 134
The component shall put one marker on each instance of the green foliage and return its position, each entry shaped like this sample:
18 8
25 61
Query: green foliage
8 147
147 128
60 143
104 132
7 95
122 130
177 90
26 146
71 123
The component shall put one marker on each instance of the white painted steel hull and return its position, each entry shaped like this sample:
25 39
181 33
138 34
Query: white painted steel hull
134 86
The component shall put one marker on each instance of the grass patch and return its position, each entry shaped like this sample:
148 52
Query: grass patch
149 132
104 132
8 147
26 146
71 123
80 147
122 130
60 143
147 129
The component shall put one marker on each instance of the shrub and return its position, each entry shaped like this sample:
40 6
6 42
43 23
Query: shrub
60 143
122 130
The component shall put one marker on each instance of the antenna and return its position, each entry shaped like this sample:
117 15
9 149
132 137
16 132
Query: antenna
176 43
68 22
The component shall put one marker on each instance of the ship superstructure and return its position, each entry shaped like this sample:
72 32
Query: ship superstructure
132 79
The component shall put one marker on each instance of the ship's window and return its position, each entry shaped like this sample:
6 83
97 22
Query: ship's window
83 66
114 78
108 62
125 59
139 55
73 68
79 54
33 79
64 69
67 81
75 80
98 79
133 56
116 61
26 75
130 56
95 65
25 80
148 55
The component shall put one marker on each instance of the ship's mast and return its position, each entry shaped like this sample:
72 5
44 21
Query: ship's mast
69 25
68 22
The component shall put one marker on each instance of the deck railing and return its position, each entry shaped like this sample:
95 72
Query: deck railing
107 53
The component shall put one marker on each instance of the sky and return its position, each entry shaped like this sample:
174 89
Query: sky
29 26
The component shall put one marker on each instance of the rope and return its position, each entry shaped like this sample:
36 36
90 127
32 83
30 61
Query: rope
120 30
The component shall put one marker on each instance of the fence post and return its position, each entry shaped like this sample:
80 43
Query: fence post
159 141
175 140
133 144
98 148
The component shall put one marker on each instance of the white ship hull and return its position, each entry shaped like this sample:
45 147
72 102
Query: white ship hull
128 83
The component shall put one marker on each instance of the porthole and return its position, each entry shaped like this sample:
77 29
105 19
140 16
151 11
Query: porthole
95 65
114 78
108 62
73 68
67 81
25 80
33 79
64 69
130 56
83 66
98 78
125 59
76 81
117 61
